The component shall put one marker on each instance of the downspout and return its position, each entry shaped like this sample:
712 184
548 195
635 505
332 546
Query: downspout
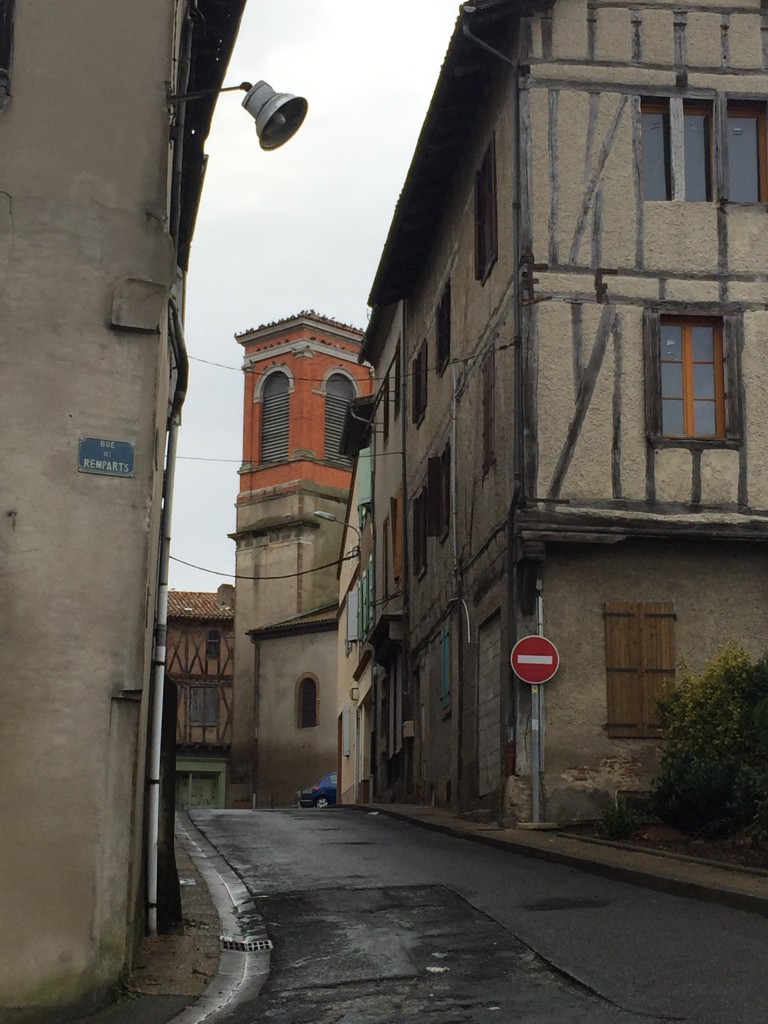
518 444
179 355
179 351
458 580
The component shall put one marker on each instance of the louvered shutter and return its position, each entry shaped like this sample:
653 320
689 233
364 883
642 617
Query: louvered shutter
275 419
338 396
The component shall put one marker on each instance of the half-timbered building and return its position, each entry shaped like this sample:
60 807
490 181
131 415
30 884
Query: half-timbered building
576 278
200 662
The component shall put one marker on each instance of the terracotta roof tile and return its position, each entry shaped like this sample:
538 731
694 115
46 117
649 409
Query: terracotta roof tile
196 604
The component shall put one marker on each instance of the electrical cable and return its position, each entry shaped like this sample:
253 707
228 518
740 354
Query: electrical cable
289 576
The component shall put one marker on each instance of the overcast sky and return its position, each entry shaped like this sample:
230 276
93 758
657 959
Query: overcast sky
298 228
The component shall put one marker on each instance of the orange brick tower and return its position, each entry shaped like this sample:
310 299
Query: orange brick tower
301 374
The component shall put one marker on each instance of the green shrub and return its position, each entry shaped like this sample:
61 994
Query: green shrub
618 822
716 745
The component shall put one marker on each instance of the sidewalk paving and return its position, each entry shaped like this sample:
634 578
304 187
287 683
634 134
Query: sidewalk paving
172 971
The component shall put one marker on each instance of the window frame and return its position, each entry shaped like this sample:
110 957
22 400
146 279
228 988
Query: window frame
303 704
736 108
731 334
657 105
213 644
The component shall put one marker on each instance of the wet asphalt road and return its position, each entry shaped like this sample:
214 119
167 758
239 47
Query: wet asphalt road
375 920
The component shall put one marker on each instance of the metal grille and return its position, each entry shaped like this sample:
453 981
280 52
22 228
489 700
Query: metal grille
245 945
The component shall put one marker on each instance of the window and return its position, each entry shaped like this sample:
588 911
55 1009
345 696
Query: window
445 667
366 601
691 133
486 223
657 163
307 703
419 531
419 384
639 663
747 170
338 397
203 706
352 616
489 418
274 418
213 644
692 377
6 46
443 324
385 556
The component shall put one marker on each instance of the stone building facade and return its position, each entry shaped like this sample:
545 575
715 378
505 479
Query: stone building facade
576 279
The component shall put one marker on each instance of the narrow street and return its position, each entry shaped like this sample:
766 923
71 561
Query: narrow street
376 920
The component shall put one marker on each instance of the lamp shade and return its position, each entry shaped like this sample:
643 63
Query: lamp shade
278 115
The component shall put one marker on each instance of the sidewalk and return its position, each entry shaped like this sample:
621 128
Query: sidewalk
172 971
740 888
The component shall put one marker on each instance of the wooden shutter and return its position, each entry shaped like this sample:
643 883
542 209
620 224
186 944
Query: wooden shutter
335 414
434 497
6 42
639 662
651 339
396 517
733 344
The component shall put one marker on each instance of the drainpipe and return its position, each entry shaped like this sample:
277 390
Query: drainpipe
179 355
179 351
461 605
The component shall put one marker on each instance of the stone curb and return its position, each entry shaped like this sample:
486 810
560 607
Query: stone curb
640 876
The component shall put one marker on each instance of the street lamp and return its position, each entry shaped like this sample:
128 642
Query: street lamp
278 115
329 517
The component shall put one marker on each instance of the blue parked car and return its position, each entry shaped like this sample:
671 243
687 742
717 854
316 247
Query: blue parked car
322 794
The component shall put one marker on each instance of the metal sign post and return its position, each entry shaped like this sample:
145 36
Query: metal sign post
535 660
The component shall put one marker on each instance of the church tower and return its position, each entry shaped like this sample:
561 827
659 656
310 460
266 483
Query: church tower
301 374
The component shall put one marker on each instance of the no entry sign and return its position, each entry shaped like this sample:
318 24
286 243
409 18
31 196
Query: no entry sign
534 659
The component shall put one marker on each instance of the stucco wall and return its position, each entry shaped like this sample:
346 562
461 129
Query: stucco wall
289 757
82 205
719 593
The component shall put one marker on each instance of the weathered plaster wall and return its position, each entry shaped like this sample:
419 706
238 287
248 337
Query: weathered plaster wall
290 758
719 592
82 201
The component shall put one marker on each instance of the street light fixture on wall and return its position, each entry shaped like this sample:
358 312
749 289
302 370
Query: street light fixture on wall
278 115
329 517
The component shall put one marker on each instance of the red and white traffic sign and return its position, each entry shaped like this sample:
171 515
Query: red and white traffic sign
534 659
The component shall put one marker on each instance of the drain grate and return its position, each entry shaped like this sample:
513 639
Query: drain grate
245 945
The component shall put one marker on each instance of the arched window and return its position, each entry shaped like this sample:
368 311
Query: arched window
338 396
307 704
274 418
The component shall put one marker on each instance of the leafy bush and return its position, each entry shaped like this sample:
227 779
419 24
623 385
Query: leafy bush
716 744
618 822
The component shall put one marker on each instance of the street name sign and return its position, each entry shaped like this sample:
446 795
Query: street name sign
106 458
534 659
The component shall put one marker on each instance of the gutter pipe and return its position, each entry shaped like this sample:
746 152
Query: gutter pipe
178 348
179 357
